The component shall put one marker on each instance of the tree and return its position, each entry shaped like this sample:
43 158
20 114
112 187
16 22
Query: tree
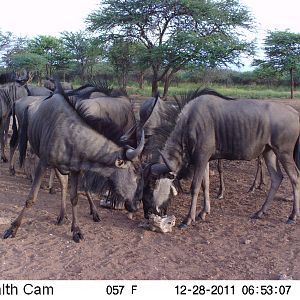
282 51
31 62
5 39
51 48
176 32
83 49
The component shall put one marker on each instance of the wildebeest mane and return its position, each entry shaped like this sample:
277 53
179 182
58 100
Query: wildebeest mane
104 125
6 97
7 77
170 114
190 95
104 87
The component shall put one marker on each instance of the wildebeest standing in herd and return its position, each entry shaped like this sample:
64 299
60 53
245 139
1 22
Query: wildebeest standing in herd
157 130
11 89
210 127
68 143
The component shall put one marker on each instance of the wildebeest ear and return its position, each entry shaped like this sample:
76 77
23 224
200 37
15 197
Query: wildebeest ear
120 163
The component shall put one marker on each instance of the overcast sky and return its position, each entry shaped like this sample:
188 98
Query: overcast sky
50 17
44 17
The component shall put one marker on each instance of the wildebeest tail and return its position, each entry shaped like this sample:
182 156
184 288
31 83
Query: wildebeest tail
23 138
15 134
297 153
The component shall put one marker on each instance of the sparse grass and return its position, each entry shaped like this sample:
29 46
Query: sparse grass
238 91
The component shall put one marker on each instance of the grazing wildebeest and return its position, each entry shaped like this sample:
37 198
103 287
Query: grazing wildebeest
162 122
66 142
111 117
210 127
11 89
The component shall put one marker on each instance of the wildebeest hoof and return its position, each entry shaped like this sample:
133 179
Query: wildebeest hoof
9 233
4 159
52 191
183 226
201 217
61 220
291 221
12 172
77 236
96 217
258 215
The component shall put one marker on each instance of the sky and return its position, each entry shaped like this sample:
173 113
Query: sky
29 18
44 17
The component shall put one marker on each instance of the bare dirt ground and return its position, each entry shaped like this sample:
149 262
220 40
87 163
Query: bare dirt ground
228 245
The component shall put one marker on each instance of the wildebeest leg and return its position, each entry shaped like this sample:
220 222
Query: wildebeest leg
292 171
77 234
31 199
51 180
206 201
93 209
259 176
12 159
6 128
2 127
200 166
63 180
261 172
221 179
276 179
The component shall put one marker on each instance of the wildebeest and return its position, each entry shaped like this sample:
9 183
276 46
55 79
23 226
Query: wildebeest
49 83
110 116
18 109
11 89
162 122
66 142
210 127
35 90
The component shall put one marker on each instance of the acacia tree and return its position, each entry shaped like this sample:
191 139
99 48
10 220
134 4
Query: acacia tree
51 48
282 50
83 49
5 39
176 32
33 63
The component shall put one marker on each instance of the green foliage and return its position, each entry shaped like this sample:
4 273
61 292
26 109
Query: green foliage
83 49
282 50
175 33
5 39
236 91
51 48
31 62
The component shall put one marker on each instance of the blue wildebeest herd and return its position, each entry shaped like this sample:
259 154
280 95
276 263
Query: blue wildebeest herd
95 142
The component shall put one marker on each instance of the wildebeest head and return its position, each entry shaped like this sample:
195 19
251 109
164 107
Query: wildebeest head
127 180
158 186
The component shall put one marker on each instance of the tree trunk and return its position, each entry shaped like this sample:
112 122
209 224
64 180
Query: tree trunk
154 82
292 82
167 82
141 80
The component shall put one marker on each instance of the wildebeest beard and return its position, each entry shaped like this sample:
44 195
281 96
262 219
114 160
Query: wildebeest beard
96 183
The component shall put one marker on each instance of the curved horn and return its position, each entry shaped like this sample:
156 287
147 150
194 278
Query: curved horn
133 153
144 116
127 135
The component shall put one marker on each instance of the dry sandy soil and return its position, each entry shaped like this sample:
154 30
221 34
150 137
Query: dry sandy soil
228 245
